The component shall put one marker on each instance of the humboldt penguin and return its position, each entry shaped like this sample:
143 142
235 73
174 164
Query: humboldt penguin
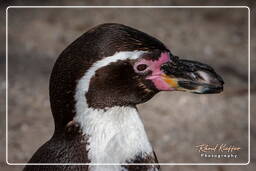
95 85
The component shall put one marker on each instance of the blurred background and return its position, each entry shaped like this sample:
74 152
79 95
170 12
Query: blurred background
175 121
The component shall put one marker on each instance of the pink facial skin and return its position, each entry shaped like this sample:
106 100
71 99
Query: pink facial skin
155 66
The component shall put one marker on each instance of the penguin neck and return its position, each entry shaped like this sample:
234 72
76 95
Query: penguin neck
116 134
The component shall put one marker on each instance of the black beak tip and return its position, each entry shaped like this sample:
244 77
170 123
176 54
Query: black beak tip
211 89
220 79
217 89
214 86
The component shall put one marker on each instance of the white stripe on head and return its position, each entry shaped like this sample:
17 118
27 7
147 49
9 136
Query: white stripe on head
83 84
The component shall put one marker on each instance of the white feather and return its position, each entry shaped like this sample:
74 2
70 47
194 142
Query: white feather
115 135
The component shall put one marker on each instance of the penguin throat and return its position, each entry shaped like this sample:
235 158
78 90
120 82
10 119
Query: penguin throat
116 135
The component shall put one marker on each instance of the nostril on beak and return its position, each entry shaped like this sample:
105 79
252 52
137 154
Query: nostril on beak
168 68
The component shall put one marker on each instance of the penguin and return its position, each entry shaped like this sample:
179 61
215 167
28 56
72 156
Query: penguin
95 85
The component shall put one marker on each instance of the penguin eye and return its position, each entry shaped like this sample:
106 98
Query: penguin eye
142 67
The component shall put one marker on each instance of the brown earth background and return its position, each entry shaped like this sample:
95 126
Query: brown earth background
175 121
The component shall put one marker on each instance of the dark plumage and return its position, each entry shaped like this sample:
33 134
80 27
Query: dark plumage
123 83
101 41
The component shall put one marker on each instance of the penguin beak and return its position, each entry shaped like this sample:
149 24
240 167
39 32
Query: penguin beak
191 76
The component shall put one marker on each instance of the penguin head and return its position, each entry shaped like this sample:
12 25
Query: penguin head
116 65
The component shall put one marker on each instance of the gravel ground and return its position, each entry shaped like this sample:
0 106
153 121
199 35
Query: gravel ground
175 122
